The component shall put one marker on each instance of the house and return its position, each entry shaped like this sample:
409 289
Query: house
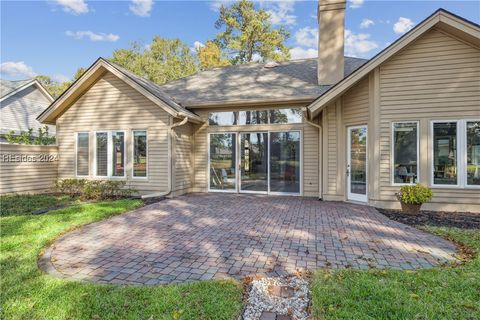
336 128
21 102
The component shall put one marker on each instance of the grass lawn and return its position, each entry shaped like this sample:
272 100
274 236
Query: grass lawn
439 293
28 293
19 204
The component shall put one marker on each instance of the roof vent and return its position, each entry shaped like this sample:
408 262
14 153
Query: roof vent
271 64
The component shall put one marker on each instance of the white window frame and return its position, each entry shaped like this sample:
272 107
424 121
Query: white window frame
392 154
302 120
76 154
133 154
235 190
110 154
461 154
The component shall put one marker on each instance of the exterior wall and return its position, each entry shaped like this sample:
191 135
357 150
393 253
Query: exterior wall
27 176
182 159
310 137
19 112
437 77
111 104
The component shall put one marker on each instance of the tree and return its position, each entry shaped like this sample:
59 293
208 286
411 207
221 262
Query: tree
249 32
163 60
56 88
211 56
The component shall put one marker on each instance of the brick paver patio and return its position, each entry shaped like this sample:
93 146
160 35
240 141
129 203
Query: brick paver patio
205 236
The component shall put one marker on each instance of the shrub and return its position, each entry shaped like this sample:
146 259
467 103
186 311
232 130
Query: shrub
415 194
26 137
93 189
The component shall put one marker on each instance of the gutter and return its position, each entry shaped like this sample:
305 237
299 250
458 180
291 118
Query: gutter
170 165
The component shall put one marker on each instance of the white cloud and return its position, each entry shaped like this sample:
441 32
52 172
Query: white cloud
93 36
217 4
307 37
356 3
366 23
17 69
302 53
141 8
280 12
358 44
197 45
403 25
73 6
60 78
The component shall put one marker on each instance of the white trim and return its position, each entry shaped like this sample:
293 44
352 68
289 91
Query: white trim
392 153
461 156
110 155
76 154
302 120
350 195
95 174
240 162
133 154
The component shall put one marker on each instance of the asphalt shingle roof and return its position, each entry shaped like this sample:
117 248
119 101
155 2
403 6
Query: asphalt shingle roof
288 80
7 86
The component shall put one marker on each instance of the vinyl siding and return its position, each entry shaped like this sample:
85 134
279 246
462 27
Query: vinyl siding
183 156
19 112
27 177
310 154
111 104
436 77
355 104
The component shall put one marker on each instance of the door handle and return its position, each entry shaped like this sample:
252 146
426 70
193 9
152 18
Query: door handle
348 171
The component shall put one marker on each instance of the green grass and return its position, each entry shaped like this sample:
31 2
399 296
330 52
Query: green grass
28 293
19 204
438 293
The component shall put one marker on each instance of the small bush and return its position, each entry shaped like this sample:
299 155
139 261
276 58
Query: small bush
93 189
415 194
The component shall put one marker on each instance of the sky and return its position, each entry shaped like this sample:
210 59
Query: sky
55 37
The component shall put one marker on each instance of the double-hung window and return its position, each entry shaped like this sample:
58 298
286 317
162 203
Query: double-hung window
456 153
405 152
82 154
110 155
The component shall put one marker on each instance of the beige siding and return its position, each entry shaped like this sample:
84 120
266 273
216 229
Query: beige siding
331 169
310 157
355 104
182 158
111 104
27 176
436 77
19 112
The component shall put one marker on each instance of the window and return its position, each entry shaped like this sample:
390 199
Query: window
473 153
222 161
274 116
82 154
101 152
139 153
285 162
405 152
110 154
456 153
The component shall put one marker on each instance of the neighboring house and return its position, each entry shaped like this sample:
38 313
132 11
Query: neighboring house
21 102
337 128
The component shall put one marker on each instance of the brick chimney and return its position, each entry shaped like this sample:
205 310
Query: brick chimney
331 30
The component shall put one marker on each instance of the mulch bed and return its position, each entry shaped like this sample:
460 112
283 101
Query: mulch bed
463 220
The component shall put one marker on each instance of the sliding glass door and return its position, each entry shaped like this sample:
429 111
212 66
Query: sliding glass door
267 162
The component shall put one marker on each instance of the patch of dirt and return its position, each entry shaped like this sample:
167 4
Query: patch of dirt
462 220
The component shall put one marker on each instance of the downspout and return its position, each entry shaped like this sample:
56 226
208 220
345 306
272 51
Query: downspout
170 137
320 138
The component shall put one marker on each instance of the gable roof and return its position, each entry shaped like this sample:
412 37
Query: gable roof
10 88
150 90
441 18
292 80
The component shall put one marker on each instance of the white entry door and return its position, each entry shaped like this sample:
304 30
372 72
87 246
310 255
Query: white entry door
357 181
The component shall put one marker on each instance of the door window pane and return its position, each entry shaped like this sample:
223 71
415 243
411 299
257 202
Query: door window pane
101 153
405 152
118 154
286 116
139 153
285 162
222 161
358 161
254 161
253 117
473 153
445 153
82 153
